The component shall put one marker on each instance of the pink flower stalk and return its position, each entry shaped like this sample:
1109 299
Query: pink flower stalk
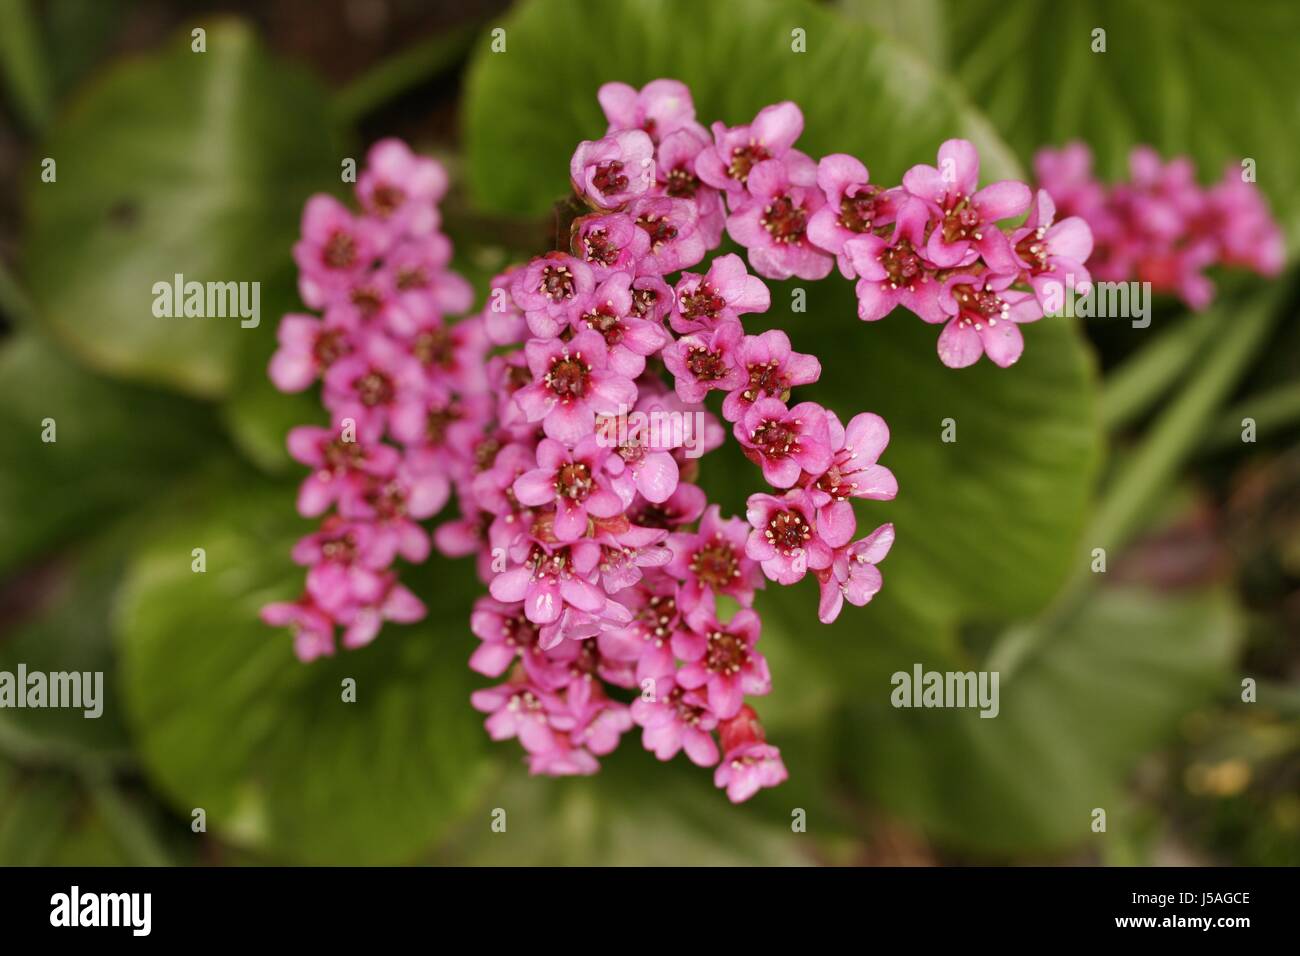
1161 226
572 451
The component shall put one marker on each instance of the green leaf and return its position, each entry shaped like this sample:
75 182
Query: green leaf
636 812
69 631
227 719
1074 717
117 446
1198 77
184 163
858 92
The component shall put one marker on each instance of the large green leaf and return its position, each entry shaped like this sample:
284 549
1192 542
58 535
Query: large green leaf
227 719
616 819
1195 77
116 446
1085 702
191 163
528 107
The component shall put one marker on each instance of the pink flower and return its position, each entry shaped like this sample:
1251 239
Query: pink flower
677 178
676 719
737 150
337 462
552 291
785 442
966 219
703 362
609 244
574 481
727 291
672 226
853 473
1053 255
722 659
785 540
712 561
748 769
749 762
853 207
628 337
853 575
894 272
313 629
401 189
518 709
659 109
369 383
335 249
772 224
362 623
308 346
345 560
571 383
611 172
985 316
772 368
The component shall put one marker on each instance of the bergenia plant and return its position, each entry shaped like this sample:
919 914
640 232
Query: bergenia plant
567 416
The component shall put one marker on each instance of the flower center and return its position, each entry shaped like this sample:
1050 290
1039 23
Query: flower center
776 439
961 220
1033 250
609 178
604 321
660 230
557 283
716 564
726 653
705 364
434 347
681 183
568 377
374 388
787 532
367 299
745 158
386 199
702 303
659 614
765 380
437 423
902 265
597 247
643 301
412 277
978 306
784 220
340 251
573 481
330 346
858 212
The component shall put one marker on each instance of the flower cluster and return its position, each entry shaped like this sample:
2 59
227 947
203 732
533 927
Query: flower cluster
566 419
610 574
394 375
932 244
1161 226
